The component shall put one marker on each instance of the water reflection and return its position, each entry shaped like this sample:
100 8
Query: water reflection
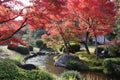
38 60
96 76
48 63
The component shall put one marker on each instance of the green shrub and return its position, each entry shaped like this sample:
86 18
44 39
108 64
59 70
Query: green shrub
30 48
23 50
10 71
39 75
39 43
72 48
114 48
70 75
112 66
72 65
75 65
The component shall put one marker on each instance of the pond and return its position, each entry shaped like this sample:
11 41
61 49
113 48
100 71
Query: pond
48 63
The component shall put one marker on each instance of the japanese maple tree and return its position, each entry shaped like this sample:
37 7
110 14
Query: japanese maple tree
8 25
96 17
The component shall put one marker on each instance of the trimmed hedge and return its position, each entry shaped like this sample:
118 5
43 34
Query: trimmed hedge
10 71
72 48
23 50
70 75
39 43
112 66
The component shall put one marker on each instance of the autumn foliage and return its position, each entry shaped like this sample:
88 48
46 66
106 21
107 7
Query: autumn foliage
64 20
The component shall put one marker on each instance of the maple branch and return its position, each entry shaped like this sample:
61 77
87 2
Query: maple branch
4 21
8 19
22 25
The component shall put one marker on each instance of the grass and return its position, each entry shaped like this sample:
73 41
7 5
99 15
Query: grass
11 54
92 62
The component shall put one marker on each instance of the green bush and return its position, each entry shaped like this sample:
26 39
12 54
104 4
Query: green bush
114 48
72 65
23 50
75 65
30 48
112 66
39 75
70 75
39 43
10 71
72 48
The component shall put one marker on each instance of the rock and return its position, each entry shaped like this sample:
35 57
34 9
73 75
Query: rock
41 53
32 53
62 60
28 66
47 52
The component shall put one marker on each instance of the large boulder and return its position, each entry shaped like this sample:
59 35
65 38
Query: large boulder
28 66
65 58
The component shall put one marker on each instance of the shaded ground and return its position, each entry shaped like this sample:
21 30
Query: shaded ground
6 53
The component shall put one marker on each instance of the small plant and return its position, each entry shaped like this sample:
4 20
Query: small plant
76 65
72 65
70 75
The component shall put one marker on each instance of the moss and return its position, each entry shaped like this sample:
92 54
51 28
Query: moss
91 61
10 71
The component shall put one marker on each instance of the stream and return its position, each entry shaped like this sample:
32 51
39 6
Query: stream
47 62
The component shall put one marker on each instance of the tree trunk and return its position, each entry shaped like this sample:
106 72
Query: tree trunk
96 45
86 43
64 40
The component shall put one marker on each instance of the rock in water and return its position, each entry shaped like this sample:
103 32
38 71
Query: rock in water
62 60
28 66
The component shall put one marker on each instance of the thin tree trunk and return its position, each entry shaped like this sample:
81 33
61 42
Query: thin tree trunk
96 45
64 40
86 43
104 39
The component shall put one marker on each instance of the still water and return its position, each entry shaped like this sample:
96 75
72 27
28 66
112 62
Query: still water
48 63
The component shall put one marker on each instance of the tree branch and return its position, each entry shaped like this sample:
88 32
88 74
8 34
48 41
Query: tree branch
22 25
4 21
1 22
